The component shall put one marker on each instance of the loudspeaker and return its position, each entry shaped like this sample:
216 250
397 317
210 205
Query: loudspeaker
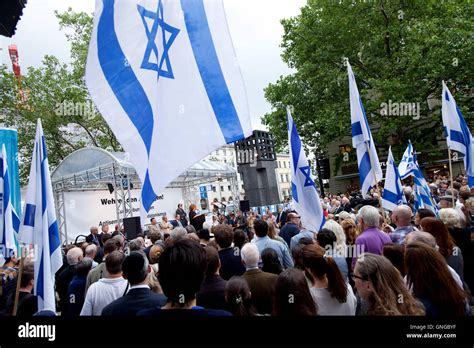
132 227
245 206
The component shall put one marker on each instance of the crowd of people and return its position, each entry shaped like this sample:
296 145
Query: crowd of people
362 262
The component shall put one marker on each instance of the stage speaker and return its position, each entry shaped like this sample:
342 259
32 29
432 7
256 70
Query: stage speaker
245 206
132 227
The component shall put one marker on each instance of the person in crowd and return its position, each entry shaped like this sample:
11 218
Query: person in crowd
190 229
281 217
401 217
270 261
134 245
77 288
154 236
135 269
262 242
155 253
74 256
204 236
303 233
105 229
371 240
8 278
240 220
345 206
334 206
180 232
382 288
350 230
395 253
445 243
176 222
182 214
101 270
291 227
240 238
328 241
296 252
273 233
340 246
292 295
212 292
421 214
431 282
27 302
107 289
188 259
231 263
153 227
330 291
261 284
239 297
91 252
94 237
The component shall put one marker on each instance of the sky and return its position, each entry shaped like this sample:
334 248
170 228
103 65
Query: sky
254 26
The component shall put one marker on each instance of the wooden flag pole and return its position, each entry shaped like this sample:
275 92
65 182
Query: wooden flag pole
18 285
376 182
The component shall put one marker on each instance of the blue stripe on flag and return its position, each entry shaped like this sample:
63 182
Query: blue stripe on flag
356 129
121 78
456 136
391 197
364 168
30 211
16 222
210 69
148 194
294 192
54 242
39 286
295 143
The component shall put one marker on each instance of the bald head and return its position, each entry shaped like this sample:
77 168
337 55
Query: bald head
74 255
293 217
250 255
91 251
401 216
422 237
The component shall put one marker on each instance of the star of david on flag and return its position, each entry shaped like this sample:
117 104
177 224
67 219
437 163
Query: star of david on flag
304 191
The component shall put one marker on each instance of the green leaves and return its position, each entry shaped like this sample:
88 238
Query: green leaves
400 51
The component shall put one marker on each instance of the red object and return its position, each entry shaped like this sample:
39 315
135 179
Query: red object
13 51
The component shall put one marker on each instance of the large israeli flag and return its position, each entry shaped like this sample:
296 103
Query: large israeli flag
458 135
165 77
9 221
393 190
303 189
39 226
370 172
407 164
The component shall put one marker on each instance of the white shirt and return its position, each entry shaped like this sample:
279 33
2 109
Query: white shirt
102 293
328 305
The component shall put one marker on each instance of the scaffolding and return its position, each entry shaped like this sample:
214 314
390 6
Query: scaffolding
92 169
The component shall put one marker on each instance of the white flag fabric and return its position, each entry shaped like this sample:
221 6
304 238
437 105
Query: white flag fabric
407 164
458 135
370 172
303 189
9 221
165 77
39 226
393 190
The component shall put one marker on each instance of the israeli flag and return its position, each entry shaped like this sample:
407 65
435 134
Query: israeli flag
407 164
458 135
165 77
39 226
370 172
393 190
9 221
303 189
422 192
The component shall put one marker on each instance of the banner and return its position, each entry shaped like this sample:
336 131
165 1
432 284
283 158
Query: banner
95 208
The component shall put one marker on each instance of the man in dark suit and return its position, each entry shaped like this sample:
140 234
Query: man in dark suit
291 228
261 284
177 221
231 263
281 217
345 206
74 256
94 237
135 269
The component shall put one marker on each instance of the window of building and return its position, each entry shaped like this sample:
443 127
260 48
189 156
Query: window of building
213 188
286 177
228 187
222 188
284 164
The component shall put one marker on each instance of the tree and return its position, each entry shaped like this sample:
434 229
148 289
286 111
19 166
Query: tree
56 93
400 51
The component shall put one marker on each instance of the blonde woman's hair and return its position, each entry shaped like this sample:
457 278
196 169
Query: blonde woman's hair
450 217
390 295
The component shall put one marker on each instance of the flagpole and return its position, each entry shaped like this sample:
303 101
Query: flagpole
18 285
376 182
451 175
